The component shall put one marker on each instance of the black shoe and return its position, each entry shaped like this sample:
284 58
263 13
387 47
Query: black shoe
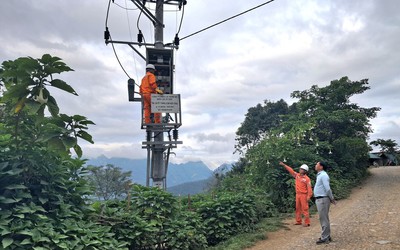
319 242
330 239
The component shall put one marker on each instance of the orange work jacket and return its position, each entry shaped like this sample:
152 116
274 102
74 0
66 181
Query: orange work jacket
148 85
303 183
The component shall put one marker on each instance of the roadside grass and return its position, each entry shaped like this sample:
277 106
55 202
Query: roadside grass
249 239
245 240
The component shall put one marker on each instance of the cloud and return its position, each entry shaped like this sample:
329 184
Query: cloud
212 137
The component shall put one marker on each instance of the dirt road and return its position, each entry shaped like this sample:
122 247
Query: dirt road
369 219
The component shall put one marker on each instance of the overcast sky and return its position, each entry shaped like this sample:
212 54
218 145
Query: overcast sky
267 54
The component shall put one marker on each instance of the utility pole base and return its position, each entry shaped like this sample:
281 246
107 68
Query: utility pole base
159 184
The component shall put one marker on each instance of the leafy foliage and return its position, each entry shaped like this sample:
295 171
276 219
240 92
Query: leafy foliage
41 184
226 213
388 146
153 220
323 125
26 96
26 80
259 121
109 182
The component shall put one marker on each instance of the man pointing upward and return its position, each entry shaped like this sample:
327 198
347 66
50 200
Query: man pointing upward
303 193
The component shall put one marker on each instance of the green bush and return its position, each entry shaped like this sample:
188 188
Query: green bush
41 184
42 232
186 231
236 183
153 220
227 214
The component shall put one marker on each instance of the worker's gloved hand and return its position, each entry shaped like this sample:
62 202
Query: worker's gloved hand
159 91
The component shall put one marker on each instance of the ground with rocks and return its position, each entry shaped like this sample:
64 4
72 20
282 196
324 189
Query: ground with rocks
368 219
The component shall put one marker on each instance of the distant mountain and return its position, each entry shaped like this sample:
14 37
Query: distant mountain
177 173
223 169
197 187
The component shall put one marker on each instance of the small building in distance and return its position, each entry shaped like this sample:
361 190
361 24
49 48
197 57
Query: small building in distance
383 159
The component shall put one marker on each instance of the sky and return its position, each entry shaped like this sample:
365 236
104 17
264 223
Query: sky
221 73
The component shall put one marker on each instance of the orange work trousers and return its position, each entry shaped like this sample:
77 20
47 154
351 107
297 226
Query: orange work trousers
302 208
147 110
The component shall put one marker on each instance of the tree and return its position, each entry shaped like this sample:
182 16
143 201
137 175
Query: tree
41 183
259 121
388 146
332 112
109 182
323 125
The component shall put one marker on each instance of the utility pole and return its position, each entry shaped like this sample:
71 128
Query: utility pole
159 171
161 56
159 27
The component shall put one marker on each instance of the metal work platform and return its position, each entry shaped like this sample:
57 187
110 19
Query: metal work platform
168 104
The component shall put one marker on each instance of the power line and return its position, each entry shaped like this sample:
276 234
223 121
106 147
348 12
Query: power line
112 44
180 25
138 19
138 27
116 56
130 35
125 8
108 11
225 20
176 21
129 23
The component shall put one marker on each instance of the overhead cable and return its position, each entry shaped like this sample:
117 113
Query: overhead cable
225 20
107 36
125 8
116 56
180 25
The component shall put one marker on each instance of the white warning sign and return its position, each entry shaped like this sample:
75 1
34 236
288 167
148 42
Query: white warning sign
165 103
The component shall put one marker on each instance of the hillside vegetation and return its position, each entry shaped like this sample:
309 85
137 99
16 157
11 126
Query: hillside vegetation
322 125
44 194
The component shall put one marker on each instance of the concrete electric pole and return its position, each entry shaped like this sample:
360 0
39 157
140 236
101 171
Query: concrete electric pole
161 56
159 174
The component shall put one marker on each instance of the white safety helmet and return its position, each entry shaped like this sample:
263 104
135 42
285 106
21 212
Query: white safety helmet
150 66
304 167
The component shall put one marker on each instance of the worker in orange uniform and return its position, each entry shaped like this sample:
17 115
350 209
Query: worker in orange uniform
148 87
303 193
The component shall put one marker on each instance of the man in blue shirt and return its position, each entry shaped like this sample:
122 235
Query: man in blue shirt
323 199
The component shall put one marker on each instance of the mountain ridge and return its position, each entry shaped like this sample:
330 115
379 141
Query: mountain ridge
177 173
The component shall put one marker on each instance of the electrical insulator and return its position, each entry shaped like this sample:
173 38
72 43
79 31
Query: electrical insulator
140 37
176 40
175 134
107 34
